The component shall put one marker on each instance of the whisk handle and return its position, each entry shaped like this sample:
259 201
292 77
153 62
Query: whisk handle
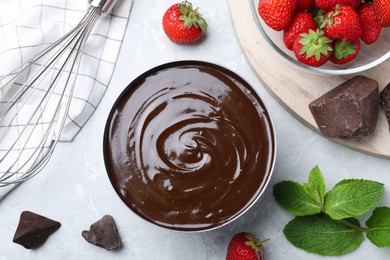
104 5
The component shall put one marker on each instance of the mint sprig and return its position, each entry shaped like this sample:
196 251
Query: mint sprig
324 222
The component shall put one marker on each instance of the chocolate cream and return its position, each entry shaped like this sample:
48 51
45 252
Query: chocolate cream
189 146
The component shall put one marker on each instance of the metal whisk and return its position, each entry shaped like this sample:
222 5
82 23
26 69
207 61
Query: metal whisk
33 114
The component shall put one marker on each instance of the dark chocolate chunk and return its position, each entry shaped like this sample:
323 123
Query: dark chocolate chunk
385 100
348 110
103 233
34 229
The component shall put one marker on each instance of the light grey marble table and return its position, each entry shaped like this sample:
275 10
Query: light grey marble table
74 188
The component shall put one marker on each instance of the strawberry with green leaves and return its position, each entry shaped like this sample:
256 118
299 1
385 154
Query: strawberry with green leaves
382 9
344 51
328 4
277 14
313 48
369 23
301 23
342 22
183 24
245 246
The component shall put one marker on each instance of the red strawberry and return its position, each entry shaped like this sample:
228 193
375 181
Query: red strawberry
342 22
277 14
313 48
328 4
183 24
344 51
245 246
382 8
301 23
305 5
371 28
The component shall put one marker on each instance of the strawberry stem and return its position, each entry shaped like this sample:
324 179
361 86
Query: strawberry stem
329 18
342 49
314 43
191 17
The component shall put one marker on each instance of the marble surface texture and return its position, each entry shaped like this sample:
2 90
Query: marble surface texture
74 188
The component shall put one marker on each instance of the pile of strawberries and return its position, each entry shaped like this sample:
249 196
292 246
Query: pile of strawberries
326 30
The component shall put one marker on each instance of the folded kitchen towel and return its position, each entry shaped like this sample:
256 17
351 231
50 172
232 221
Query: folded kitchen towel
27 25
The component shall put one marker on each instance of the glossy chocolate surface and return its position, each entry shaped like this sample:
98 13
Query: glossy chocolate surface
189 146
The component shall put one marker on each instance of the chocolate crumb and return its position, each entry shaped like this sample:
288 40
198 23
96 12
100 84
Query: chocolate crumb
348 110
103 233
385 100
34 229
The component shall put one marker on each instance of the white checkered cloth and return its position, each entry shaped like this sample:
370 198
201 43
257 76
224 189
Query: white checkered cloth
27 25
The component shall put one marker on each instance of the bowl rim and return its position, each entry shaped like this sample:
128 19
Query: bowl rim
317 70
272 140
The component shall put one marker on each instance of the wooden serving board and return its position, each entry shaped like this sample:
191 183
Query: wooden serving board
295 89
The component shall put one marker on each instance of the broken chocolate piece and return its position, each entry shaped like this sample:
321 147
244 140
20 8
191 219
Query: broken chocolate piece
103 233
385 100
34 229
348 110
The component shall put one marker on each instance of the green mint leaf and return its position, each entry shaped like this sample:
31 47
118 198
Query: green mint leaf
353 198
293 197
322 235
316 185
345 181
379 227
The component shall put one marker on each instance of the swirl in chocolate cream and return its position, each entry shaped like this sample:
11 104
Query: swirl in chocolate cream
189 147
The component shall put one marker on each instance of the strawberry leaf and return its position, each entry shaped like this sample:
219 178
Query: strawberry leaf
342 49
191 17
188 21
329 17
202 24
314 43
319 18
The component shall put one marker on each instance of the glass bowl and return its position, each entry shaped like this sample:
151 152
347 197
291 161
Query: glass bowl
368 57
